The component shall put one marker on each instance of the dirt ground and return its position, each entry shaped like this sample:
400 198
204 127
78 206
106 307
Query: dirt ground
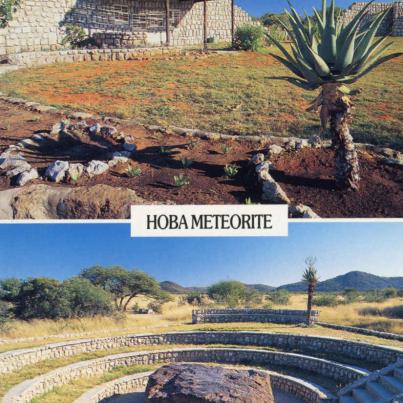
306 176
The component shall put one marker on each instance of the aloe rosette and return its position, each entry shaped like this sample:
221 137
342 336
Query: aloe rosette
329 55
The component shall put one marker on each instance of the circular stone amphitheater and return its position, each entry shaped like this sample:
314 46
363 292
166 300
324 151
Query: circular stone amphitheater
301 368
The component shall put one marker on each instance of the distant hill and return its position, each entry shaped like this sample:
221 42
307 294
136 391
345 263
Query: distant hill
359 280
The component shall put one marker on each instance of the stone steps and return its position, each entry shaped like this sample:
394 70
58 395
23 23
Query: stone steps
385 385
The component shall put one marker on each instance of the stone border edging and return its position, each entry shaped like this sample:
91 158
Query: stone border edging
29 389
383 355
307 391
361 330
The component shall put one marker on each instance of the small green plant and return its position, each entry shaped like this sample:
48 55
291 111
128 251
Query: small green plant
181 180
249 37
133 172
231 170
74 178
192 144
225 149
248 200
6 11
75 36
186 162
164 150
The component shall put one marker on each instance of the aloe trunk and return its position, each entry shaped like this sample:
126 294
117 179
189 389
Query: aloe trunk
337 108
311 290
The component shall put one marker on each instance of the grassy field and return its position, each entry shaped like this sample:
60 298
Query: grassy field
231 92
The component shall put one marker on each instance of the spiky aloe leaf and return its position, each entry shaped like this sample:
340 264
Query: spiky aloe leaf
302 84
345 56
291 66
368 38
324 9
328 47
370 51
321 66
372 66
352 25
320 23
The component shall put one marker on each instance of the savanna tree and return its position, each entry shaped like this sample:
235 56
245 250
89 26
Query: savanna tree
310 276
329 55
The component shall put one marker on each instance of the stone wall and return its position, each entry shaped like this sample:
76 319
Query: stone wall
38 25
137 382
26 391
82 55
379 355
286 316
391 25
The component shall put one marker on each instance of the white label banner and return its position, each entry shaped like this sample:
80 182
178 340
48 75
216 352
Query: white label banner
209 220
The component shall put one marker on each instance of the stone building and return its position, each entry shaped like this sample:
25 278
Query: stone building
38 25
393 22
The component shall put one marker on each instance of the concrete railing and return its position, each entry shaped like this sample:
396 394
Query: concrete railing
286 316
381 355
26 391
306 391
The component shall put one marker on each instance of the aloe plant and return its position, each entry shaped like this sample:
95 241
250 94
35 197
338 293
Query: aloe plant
330 57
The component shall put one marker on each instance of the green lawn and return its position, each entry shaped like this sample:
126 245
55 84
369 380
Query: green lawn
232 92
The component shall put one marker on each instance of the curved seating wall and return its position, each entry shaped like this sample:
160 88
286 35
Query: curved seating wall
26 391
382 355
133 383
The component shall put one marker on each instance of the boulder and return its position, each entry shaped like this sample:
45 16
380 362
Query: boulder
75 171
58 127
272 191
302 211
315 141
96 168
275 149
10 161
23 167
257 158
27 176
118 160
42 202
56 171
196 383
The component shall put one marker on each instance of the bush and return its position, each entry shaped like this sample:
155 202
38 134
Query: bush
194 298
280 297
249 37
380 295
9 289
326 300
394 312
6 11
76 37
230 293
41 298
85 299
350 295
400 293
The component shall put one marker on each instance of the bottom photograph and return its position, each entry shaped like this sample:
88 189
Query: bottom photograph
89 314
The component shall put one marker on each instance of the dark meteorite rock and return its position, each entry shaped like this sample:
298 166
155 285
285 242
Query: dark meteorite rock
195 383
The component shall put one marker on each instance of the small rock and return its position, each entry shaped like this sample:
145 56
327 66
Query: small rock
59 127
108 131
129 147
96 168
290 145
272 192
27 176
18 170
302 211
118 160
95 129
275 149
257 158
8 161
300 144
75 171
315 141
57 171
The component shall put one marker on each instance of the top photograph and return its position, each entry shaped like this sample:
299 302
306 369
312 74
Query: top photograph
106 104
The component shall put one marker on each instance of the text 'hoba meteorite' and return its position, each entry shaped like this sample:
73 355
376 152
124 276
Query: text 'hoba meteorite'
209 220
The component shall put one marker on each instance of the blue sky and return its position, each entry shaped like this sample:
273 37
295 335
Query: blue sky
62 250
259 7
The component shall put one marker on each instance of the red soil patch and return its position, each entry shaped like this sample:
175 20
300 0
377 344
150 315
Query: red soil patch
307 176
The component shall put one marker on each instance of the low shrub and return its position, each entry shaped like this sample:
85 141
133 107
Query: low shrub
249 37
380 295
5 316
76 37
326 300
280 297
